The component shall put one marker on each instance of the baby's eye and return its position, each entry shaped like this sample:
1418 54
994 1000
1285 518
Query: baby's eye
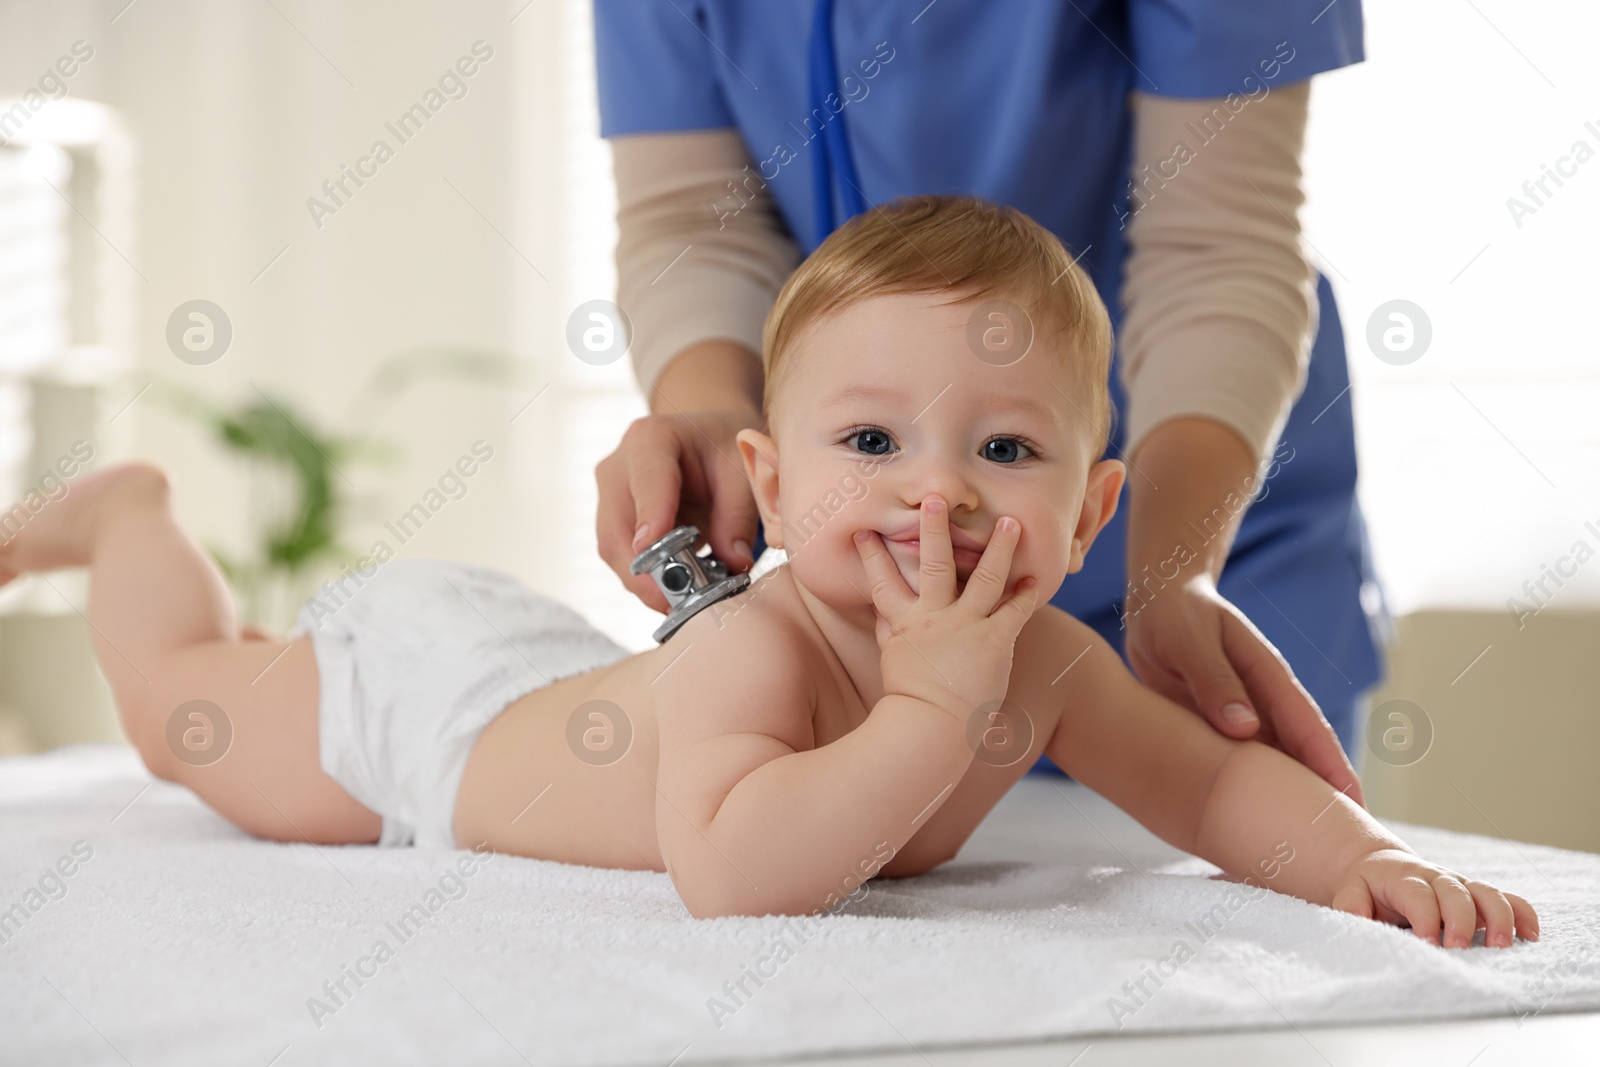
1004 449
873 441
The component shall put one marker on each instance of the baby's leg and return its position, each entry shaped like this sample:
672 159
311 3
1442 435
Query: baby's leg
164 631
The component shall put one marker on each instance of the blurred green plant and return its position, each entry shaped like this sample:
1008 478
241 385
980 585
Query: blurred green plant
302 497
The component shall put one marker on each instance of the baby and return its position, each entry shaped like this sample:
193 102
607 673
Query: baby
936 409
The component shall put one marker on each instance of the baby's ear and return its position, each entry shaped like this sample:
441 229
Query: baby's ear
1100 499
760 454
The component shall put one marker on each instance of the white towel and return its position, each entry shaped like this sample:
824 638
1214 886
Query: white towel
179 940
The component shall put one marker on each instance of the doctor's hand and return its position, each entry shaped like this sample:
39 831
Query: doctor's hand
671 470
1193 646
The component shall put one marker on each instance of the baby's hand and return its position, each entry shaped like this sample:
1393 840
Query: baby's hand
954 653
1392 885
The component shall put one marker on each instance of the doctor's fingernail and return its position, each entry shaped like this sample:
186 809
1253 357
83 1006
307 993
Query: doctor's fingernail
639 536
1238 714
742 547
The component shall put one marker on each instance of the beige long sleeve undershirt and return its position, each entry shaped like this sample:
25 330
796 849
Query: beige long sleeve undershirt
691 190
1219 297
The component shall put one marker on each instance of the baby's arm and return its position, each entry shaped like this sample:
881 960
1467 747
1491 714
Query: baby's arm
751 817
1238 803
763 821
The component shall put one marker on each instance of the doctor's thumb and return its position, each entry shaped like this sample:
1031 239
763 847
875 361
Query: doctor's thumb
733 529
1221 698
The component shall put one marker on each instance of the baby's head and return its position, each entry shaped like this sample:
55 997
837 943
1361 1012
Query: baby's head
935 344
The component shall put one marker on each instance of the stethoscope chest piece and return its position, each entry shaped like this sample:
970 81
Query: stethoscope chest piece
691 583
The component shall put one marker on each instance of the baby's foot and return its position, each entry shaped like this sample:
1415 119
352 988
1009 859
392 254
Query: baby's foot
42 533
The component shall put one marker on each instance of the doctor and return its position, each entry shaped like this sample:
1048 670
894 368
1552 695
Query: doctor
1161 141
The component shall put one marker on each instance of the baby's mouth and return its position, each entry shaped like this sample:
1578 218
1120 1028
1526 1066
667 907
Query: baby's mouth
965 558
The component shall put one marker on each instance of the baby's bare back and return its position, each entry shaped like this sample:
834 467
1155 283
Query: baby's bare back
568 771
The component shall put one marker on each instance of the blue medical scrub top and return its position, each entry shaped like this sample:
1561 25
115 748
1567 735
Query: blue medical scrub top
1026 102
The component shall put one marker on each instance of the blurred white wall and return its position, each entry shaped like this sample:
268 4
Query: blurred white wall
468 236
1480 461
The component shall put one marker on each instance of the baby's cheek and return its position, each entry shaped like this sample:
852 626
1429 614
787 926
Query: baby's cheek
820 554
831 569
1045 554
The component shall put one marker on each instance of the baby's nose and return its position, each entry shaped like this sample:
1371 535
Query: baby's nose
942 482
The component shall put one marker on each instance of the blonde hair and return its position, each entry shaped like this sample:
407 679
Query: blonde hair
966 246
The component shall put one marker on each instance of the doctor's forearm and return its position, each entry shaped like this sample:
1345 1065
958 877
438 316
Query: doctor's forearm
714 375
1190 481
697 269
1219 298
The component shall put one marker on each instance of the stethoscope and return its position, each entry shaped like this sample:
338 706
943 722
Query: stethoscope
693 583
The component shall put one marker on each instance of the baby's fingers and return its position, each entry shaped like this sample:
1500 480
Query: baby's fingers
1354 899
1458 909
1503 915
888 589
1527 919
935 558
1018 608
988 580
1416 900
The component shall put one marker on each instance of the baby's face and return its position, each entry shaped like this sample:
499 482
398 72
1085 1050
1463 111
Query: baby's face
886 403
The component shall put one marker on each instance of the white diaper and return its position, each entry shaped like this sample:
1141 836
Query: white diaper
414 663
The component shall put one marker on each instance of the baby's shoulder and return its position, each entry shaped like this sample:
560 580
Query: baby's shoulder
758 620
752 665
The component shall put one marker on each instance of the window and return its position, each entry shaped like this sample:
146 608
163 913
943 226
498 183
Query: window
1480 461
